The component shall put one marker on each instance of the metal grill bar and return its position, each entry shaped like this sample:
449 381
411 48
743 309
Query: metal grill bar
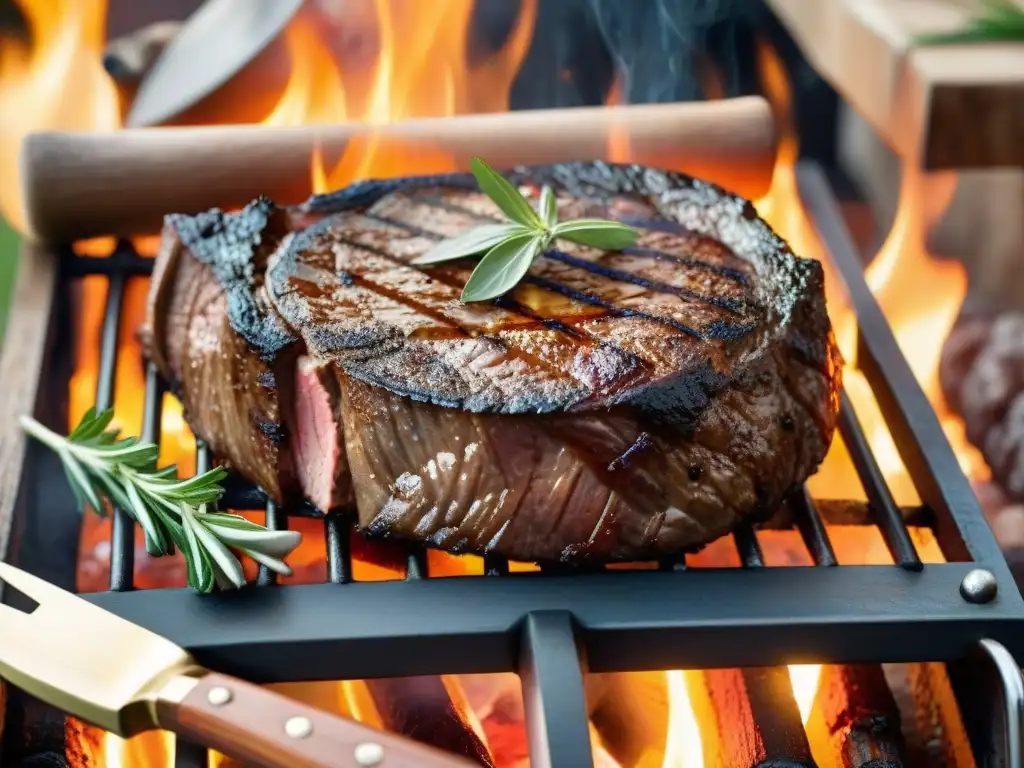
416 563
551 670
960 527
629 620
749 547
275 520
339 551
495 566
194 755
812 529
883 505
122 536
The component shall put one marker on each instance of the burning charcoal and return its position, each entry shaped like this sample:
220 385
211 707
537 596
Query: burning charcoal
421 708
749 717
83 744
982 375
856 715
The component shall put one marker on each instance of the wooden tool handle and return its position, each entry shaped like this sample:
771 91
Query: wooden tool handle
265 729
80 185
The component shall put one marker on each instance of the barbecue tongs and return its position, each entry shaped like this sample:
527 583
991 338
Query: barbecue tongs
125 679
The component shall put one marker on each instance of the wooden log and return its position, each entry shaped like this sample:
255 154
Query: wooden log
949 106
933 727
83 744
748 717
78 185
421 708
855 720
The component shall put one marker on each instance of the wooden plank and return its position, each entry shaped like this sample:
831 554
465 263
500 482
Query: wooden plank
21 361
953 106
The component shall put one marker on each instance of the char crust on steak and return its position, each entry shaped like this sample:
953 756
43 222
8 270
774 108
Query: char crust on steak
611 407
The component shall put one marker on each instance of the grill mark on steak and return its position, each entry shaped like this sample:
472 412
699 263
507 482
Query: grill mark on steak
691 236
715 329
410 228
596 301
456 278
628 277
733 274
443 312
521 339
440 276
731 304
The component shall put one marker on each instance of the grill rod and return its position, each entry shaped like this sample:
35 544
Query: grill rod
122 535
1013 700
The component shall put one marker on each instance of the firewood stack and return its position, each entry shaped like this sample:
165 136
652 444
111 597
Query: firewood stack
929 109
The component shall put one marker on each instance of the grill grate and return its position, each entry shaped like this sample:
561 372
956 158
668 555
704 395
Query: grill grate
554 626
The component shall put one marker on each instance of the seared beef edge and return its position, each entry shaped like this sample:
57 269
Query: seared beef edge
225 353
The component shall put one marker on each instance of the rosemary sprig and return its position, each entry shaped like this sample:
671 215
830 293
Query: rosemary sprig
510 248
1000 21
103 468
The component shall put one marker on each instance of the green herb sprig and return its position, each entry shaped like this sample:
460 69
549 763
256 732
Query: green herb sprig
173 513
510 248
1000 21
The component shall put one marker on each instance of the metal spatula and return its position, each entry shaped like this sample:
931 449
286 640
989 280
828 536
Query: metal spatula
215 43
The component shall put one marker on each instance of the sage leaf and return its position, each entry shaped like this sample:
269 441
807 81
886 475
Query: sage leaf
597 233
502 267
471 243
548 206
504 195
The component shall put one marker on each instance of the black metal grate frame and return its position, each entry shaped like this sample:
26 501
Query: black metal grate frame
552 628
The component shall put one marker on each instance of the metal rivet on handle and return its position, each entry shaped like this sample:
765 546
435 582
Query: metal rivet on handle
979 586
298 727
219 696
369 754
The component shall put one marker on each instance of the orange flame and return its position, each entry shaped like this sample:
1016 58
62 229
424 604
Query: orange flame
314 94
54 81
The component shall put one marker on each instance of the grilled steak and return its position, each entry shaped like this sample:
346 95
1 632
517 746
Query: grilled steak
613 406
